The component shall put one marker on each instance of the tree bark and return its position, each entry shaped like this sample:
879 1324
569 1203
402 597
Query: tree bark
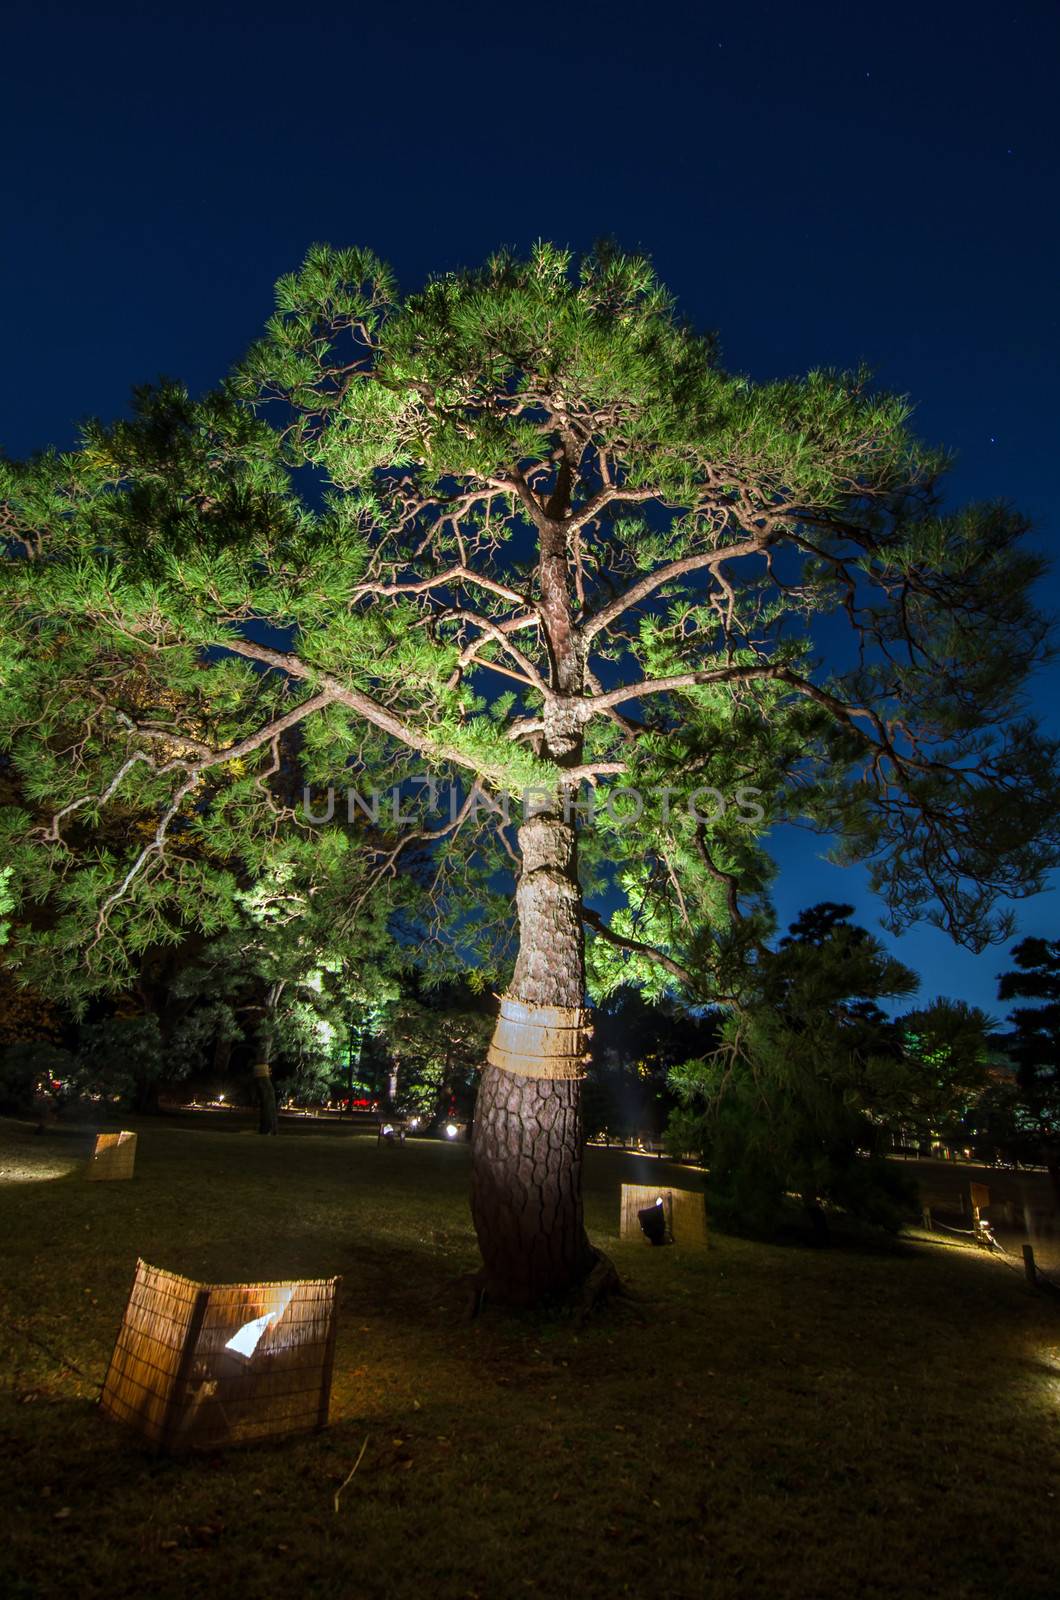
268 1118
820 1234
526 1183
526 1198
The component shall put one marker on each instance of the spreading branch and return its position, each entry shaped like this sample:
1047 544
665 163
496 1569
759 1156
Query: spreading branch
194 772
593 920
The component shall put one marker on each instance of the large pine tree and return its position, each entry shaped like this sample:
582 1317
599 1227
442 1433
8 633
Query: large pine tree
522 527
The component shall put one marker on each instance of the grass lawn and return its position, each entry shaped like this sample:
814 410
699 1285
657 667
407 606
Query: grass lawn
754 1421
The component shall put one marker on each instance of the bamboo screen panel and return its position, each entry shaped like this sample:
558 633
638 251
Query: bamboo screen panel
687 1210
210 1364
114 1156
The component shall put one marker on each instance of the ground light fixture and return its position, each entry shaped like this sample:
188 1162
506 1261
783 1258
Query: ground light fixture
653 1222
684 1212
451 1130
208 1364
392 1133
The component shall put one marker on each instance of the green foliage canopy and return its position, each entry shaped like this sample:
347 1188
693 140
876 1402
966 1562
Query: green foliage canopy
353 539
812 1077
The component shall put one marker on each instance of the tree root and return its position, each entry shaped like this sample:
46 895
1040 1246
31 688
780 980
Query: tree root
473 1286
599 1285
603 1282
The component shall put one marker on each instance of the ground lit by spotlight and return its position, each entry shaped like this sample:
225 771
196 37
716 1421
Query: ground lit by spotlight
32 1168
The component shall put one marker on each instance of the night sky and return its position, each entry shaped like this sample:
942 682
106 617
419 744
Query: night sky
823 183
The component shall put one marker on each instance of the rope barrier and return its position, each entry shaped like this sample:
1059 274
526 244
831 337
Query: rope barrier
995 1244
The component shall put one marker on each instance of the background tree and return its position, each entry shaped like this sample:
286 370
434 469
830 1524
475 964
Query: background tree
954 1051
126 1059
797 1097
289 972
636 1044
1031 1120
434 1039
524 527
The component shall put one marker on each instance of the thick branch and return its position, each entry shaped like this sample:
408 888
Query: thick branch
635 947
683 680
194 771
592 624
369 709
207 757
455 574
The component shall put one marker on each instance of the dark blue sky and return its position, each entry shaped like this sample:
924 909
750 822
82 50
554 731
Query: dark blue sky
822 183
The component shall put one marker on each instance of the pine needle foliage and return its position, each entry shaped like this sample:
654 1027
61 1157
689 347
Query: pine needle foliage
764 590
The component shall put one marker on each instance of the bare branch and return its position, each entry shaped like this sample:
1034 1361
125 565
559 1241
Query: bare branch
607 496
454 574
52 831
528 673
516 484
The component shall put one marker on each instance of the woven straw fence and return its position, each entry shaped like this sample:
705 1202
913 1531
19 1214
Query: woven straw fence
686 1212
113 1157
212 1364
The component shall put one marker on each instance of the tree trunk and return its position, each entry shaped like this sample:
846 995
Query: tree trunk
820 1234
145 1097
268 1118
526 1196
526 1181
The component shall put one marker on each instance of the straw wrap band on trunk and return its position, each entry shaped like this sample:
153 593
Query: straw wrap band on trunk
262 1069
540 1041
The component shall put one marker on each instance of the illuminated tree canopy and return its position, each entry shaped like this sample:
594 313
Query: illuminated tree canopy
520 529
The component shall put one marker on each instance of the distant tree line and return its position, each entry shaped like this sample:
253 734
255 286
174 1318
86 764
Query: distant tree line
812 1084
800 1087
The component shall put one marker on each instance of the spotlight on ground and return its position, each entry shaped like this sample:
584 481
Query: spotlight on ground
653 1220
